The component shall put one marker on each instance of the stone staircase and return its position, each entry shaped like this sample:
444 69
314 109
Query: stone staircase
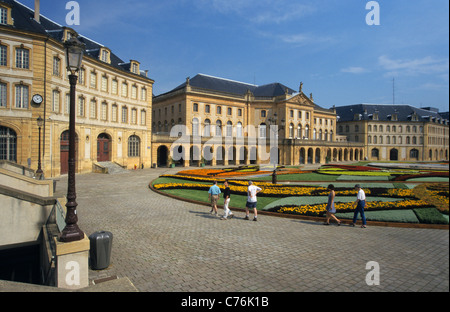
112 168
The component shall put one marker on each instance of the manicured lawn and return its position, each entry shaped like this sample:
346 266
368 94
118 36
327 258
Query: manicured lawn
309 176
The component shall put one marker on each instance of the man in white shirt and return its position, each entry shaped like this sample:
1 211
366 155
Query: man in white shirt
251 200
360 203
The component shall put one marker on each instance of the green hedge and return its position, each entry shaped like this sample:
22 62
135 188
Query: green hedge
430 216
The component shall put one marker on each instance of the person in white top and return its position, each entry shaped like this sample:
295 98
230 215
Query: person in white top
251 200
360 204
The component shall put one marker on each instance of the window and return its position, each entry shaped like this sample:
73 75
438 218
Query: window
104 84
143 117
56 66
93 80
93 109
8 144
219 110
414 154
291 113
218 128
134 116
299 114
21 96
356 128
105 56
207 131
114 86
239 130
133 146
81 106
3 16
291 130
3 55
81 76
104 111
195 107
263 114
143 94
134 92
229 111
262 130
229 129
195 131
67 104
22 58
3 94
207 109
124 114
124 89
114 113
55 101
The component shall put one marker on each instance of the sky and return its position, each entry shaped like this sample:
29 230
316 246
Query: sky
326 44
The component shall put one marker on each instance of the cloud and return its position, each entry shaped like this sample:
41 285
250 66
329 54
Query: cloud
354 70
426 65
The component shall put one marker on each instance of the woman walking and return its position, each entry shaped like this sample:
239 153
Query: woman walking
330 206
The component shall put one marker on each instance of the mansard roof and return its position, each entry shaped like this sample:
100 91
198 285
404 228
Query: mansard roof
24 20
217 84
385 112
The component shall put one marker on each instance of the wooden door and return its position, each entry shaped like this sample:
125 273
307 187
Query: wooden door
103 147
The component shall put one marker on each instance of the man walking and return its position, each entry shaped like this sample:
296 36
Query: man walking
213 196
360 203
226 196
251 200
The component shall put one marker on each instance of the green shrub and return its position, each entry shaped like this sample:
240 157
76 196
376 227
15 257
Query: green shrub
430 216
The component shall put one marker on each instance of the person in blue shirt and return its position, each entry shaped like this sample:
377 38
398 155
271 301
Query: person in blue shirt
213 196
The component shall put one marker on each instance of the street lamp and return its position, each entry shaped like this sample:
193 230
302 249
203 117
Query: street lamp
74 54
39 173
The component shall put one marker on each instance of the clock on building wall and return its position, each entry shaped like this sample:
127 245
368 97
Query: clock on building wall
37 99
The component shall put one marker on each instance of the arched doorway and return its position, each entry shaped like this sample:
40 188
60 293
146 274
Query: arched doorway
64 152
393 154
103 147
162 155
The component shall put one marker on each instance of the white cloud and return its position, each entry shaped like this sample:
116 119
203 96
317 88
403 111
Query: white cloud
354 70
426 65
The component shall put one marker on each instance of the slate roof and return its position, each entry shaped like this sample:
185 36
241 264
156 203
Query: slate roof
235 87
385 111
24 20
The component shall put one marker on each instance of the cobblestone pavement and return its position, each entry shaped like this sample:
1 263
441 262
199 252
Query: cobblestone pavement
165 245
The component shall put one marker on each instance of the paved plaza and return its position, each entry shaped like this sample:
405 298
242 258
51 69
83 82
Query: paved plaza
164 245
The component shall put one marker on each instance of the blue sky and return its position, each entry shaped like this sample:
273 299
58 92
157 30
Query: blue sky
326 44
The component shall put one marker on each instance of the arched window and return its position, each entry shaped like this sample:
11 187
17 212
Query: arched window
133 146
8 144
207 131
218 128
291 130
195 127
262 130
229 129
239 130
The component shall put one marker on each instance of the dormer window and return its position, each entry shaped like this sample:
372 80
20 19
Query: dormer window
134 67
69 33
105 55
5 14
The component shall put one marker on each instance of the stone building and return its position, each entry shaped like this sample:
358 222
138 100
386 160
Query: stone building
113 98
396 132
217 121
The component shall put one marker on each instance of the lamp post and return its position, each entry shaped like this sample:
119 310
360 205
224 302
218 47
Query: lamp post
39 173
74 54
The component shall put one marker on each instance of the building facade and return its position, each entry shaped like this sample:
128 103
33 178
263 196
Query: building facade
113 98
396 132
217 121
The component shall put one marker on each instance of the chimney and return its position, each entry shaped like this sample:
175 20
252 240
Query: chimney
37 8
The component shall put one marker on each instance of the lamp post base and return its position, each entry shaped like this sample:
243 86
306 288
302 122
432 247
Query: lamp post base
71 233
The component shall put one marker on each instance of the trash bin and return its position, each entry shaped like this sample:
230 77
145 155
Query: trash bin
100 251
